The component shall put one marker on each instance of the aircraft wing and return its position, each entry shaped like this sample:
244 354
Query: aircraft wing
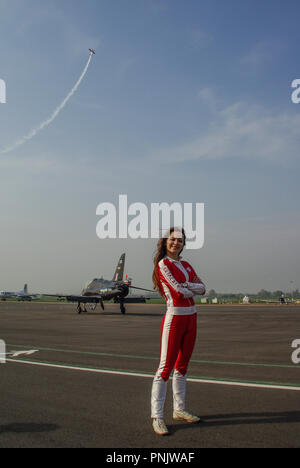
89 298
94 298
53 295
269 302
142 289
84 299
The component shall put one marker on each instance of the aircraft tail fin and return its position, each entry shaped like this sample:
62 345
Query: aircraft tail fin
25 289
118 276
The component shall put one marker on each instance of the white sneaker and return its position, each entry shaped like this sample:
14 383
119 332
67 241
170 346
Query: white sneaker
182 415
159 427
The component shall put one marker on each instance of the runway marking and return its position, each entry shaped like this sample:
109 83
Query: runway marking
132 356
207 380
20 353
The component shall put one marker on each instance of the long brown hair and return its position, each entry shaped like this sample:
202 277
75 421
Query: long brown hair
161 252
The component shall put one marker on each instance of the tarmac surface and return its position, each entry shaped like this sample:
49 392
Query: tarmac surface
86 380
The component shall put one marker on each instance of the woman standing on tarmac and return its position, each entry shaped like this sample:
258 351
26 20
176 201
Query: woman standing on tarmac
176 280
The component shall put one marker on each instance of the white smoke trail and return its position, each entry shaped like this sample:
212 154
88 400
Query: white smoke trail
47 122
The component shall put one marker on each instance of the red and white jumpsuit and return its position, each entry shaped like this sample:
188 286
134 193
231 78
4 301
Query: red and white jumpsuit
178 331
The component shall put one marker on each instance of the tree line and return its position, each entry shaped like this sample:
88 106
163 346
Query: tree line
262 294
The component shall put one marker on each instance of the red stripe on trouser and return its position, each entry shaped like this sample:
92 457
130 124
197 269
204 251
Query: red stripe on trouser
178 336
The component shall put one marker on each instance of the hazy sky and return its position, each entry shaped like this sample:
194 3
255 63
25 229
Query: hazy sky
184 101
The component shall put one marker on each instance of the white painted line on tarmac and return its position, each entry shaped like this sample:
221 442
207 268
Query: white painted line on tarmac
79 368
246 384
151 376
20 353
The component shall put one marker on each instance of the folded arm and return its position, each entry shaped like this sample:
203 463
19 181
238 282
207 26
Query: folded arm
196 286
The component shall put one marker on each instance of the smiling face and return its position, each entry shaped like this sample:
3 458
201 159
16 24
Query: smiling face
175 244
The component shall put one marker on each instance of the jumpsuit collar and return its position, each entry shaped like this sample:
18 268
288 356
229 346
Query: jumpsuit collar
173 260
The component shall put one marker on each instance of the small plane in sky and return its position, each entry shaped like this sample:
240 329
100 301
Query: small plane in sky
92 51
101 289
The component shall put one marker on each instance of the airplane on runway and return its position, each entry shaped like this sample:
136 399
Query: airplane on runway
20 295
281 300
101 289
